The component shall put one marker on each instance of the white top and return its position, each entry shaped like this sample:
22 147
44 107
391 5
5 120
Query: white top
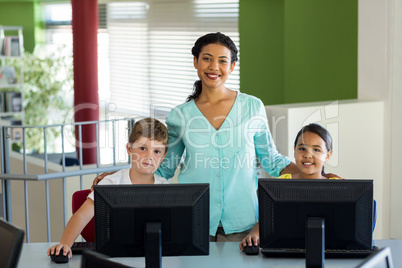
123 177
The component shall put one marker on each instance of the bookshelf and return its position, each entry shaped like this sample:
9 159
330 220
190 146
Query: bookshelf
11 82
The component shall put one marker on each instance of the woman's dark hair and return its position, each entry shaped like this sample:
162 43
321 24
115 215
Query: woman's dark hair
320 131
211 38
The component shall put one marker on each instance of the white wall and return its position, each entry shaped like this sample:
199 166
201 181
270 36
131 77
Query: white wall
396 122
379 78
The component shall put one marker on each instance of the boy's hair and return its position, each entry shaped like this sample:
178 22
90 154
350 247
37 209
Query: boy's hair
149 128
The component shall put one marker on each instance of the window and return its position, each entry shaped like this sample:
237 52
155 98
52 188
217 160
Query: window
145 62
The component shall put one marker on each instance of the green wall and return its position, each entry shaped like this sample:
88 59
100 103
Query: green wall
25 14
298 50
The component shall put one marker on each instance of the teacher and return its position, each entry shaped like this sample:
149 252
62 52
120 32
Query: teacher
222 133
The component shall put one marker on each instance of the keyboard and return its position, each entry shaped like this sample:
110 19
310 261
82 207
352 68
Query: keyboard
329 253
79 247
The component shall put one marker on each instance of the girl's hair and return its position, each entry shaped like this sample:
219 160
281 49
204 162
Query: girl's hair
211 38
149 128
320 131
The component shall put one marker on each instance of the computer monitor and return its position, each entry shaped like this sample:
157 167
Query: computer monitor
12 239
93 259
345 206
379 259
152 220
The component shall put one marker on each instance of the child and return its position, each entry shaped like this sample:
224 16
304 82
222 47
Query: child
312 148
147 147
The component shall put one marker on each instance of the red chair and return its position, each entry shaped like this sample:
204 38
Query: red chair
79 197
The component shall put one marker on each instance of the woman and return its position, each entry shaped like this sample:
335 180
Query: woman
223 133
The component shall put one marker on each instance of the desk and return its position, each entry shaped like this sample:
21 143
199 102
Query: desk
222 255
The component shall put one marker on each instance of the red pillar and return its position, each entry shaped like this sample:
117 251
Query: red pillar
86 100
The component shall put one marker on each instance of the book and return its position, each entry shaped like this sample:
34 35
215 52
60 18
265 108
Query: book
13 102
8 75
11 46
1 46
2 109
16 132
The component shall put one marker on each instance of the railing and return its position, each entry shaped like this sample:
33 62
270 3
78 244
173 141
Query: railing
12 173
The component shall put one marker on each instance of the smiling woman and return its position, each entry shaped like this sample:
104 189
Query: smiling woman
223 132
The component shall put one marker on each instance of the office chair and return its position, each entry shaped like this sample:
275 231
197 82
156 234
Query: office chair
379 259
92 259
10 245
79 197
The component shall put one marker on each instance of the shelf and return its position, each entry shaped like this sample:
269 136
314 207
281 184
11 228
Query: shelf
5 114
2 57
11 87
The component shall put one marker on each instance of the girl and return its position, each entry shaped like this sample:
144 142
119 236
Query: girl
312 148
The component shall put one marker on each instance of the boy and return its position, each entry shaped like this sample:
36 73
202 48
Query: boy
147 146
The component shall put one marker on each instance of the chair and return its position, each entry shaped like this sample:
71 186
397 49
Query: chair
92 259
379 259
79 197
10 245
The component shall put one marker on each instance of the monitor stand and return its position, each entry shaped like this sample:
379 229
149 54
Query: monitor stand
153 245
315 242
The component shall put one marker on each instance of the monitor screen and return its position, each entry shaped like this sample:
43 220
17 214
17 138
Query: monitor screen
345 205
124 212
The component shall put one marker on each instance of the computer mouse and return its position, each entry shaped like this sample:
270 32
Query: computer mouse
59 258
251 250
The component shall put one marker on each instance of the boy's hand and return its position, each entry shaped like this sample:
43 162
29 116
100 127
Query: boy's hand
60 249
100 177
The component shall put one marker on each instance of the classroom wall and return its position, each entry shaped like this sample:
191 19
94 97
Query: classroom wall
379 76
296 51
291 51
395 142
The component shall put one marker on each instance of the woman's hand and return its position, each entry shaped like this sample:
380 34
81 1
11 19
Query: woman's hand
253 238
100 177
60 249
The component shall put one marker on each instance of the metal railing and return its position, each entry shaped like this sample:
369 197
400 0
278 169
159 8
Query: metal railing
21 173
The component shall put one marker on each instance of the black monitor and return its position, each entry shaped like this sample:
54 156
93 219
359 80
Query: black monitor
343 208
12 239
152 220
379 259
93 259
